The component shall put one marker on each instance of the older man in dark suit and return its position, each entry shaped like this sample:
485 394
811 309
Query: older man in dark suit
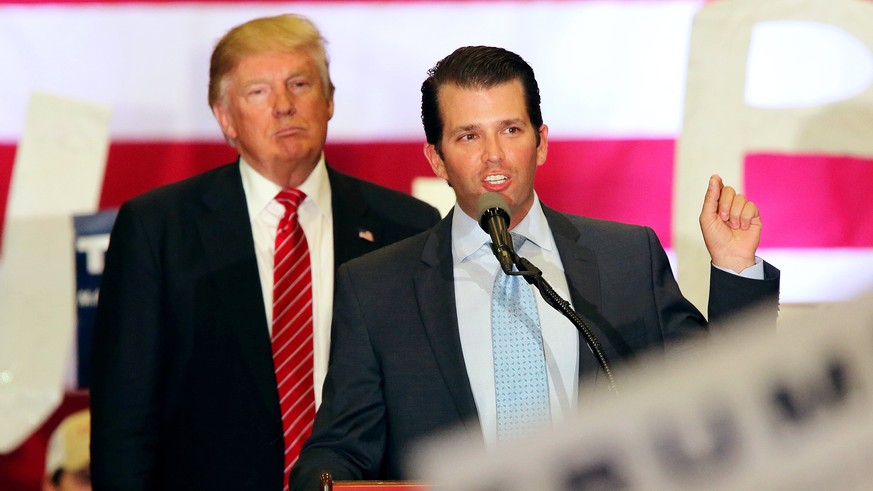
419 327
212 331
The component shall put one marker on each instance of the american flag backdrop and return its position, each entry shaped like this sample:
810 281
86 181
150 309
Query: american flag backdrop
612 75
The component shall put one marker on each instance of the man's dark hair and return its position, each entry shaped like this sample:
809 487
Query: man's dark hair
476 67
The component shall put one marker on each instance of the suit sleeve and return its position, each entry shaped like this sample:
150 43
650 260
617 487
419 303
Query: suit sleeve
349 435
730 294
679 318
125 390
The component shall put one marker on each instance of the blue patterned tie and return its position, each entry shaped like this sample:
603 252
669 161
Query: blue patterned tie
519 362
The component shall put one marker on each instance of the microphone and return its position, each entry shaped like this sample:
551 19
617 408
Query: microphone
494 219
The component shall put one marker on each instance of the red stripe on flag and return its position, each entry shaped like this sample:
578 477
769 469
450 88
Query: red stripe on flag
812 200
625 180
133 168
7 157
628 181
391 164
806 201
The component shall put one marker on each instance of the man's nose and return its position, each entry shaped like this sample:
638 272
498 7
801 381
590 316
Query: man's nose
284 103
493 150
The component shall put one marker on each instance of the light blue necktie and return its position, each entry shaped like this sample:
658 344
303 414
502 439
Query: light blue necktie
519 361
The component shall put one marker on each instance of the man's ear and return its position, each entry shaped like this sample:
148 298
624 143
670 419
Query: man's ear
543 147
225 120
436 161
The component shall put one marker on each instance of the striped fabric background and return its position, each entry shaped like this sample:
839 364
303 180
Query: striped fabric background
612 79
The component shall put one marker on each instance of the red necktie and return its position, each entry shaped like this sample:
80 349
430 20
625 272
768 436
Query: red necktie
292 328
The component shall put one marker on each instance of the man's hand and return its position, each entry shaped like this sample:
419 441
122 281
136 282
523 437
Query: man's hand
731 226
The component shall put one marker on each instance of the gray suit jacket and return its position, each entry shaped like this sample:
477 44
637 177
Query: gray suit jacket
397 372
183 394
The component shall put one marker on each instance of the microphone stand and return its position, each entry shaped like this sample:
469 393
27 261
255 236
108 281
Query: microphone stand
534 276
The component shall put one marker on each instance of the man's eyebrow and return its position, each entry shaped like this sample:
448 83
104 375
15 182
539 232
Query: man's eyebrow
465 128
253 81
477 126
512 121
298 73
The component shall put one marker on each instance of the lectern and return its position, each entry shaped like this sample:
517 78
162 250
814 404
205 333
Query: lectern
328 484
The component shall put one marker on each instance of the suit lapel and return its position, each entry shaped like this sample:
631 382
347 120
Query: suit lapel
583 279
354 233
229 248
435 291
579 262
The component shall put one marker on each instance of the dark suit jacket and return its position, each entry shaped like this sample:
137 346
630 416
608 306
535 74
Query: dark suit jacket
397 372
183 393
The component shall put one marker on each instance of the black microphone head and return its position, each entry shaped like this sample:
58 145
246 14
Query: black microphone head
489 205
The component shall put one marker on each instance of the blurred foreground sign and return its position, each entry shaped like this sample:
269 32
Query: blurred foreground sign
58 172
755 409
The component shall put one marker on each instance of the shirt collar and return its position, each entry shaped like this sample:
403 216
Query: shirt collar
260 191
468 237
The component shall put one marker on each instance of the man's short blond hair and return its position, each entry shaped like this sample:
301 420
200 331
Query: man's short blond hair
284 33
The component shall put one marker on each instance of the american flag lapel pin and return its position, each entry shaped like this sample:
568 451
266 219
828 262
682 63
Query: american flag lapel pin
366 235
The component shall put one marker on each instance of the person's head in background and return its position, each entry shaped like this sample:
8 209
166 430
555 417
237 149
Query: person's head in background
68 459
476 67
271 93
480 107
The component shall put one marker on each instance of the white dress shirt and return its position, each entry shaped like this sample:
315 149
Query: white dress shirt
475 268
316 218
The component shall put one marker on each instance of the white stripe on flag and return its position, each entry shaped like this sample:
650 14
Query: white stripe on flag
606 68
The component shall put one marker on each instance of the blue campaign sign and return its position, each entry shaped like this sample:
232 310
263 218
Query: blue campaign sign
91 242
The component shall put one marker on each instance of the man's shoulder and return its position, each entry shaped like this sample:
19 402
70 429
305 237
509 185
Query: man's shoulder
593 227
223 176
399 258
383 200
407 249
